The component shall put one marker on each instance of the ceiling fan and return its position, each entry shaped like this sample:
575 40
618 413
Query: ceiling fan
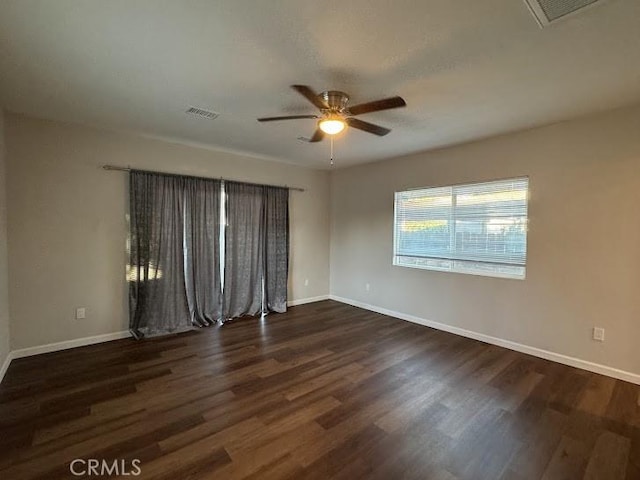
336 114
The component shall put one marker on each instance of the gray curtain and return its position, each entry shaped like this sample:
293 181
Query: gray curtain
157 297
202 250
244 250
174 279
276 218
256 249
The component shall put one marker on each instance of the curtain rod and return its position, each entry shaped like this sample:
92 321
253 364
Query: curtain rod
128 169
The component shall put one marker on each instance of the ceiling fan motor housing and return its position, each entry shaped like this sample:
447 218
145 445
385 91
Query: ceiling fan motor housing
336 100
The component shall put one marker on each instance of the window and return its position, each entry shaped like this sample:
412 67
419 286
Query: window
478 228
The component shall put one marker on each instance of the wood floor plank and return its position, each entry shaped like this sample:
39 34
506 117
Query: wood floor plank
538 446
608 460
324 391
597 395
569 460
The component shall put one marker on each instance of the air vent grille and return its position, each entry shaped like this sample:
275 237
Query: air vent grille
549 11
201 112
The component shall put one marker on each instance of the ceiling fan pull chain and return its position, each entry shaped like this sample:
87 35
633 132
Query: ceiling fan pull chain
331 138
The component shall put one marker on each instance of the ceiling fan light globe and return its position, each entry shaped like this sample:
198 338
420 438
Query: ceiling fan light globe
331 126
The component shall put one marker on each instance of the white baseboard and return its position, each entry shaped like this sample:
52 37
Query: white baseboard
302 301
518 347
5 365
77 342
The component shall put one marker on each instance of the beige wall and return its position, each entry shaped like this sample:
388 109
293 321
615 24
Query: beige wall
583 265
4 296
67 222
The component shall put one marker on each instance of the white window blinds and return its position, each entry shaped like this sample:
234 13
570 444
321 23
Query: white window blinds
477 228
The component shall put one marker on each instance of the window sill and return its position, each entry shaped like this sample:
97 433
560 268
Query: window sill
465 271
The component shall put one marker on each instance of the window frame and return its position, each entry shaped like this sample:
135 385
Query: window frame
453 269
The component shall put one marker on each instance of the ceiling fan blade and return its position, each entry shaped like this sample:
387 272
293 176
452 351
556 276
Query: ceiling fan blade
290 117
310 95
367 127
384 104
317 136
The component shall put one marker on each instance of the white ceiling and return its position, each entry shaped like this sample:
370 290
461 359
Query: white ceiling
467 68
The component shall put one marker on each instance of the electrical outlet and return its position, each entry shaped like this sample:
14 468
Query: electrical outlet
367 287
80 313
598 334
306 282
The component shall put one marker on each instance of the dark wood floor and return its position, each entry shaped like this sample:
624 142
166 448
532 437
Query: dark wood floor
324 391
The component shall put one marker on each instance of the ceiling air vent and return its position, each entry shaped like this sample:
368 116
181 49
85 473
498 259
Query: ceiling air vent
201 112
549 11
